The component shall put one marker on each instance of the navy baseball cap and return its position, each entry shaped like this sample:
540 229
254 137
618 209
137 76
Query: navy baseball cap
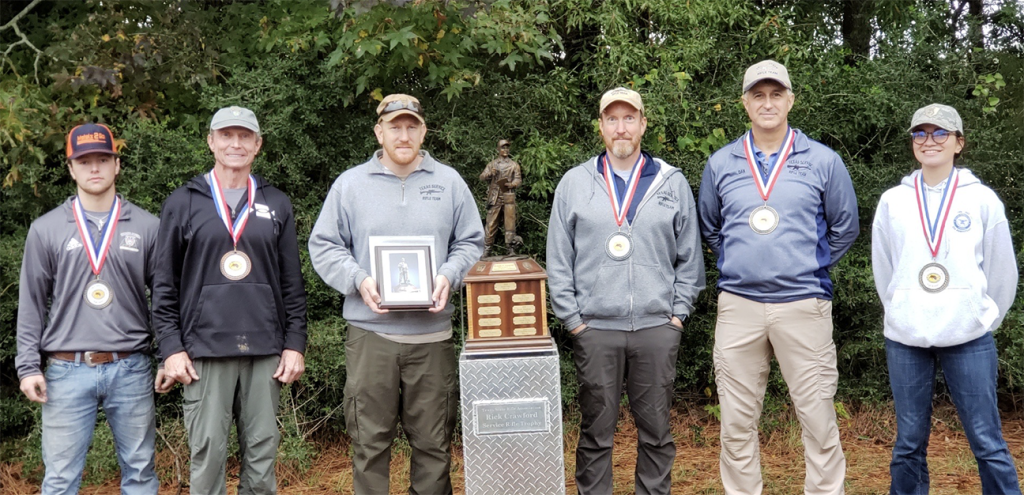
90 138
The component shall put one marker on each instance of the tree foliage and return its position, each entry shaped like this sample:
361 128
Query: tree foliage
528 71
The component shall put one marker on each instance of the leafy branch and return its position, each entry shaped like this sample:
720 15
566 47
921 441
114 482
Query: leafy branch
13 24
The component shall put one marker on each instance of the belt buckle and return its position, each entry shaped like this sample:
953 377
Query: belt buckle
87 359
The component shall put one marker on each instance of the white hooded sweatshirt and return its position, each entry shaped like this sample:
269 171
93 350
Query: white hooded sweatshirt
976 251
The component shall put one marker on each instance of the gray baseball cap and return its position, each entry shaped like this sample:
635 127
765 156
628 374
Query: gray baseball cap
766 69
943 116
235 117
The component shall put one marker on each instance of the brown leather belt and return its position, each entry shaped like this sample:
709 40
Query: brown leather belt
90 358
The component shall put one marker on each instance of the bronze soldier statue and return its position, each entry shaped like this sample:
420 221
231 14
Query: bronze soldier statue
504 176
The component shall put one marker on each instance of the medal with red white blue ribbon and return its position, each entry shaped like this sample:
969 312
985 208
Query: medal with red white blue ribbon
764 219
98 294
620 244
933 276
234 265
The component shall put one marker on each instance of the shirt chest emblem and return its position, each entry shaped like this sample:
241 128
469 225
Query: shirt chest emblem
962 221
130 241
262 210
73 244
431 192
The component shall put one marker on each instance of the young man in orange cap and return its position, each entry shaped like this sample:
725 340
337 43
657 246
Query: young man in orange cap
83 311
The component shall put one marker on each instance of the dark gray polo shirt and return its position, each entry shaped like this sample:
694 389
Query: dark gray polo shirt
52 313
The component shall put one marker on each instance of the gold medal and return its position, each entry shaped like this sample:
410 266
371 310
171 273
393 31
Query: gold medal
98 294
235 265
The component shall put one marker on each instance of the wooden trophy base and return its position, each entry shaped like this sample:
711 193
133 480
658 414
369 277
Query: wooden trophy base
507 303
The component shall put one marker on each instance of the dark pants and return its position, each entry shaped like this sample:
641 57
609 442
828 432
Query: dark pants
388 381
970 370
646 359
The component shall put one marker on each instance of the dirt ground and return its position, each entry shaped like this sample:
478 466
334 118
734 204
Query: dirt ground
867 436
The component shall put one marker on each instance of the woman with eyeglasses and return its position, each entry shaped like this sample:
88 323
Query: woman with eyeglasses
945 270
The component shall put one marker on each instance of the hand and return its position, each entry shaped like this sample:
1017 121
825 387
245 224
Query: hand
368 289
34 387
440 297
578 329
291 366
163 383
677 322
178 367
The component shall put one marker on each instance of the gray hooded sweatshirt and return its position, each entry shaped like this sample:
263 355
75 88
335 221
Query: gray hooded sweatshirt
369 200
662 276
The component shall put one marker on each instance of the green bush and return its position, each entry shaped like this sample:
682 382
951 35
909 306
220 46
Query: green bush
530 72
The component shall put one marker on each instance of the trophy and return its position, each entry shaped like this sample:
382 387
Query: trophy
506 295
509 371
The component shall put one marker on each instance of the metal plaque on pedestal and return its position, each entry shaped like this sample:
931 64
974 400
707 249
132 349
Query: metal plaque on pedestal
512 422
507 303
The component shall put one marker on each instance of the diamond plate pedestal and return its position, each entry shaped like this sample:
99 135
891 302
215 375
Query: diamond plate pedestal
512 423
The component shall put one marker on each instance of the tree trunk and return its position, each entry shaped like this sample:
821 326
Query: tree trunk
975 21
857 29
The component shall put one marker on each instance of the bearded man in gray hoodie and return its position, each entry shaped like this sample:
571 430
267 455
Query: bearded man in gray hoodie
398 364
623 280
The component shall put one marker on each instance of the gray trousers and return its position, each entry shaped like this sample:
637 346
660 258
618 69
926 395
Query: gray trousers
387 381
241 389
646 360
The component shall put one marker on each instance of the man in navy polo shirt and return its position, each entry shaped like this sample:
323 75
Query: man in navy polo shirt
778 210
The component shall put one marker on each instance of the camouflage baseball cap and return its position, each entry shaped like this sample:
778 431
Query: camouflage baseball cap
397 104
943 116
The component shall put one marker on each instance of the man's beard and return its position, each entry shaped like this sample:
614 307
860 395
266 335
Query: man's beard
623 150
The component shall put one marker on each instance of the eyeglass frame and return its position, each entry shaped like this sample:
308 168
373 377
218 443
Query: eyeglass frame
920 137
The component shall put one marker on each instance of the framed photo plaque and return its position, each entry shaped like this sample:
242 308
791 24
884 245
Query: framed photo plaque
404 268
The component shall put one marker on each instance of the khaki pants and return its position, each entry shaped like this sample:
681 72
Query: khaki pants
386 382
799 334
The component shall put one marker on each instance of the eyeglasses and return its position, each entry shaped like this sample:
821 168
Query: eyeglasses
397 105
939 136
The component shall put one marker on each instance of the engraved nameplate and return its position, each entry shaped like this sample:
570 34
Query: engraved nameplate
524 309
508 266
520 298
505 286
522 332
489 322
510 416
523 320
489 310
493 298
489 332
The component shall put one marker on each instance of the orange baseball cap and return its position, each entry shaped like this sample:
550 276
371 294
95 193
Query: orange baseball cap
90 138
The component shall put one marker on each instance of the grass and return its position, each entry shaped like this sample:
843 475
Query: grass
867 437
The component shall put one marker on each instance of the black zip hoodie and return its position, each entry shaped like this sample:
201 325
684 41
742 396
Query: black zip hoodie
199 310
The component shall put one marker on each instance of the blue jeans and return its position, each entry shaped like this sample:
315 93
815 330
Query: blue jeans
74 390
970 371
